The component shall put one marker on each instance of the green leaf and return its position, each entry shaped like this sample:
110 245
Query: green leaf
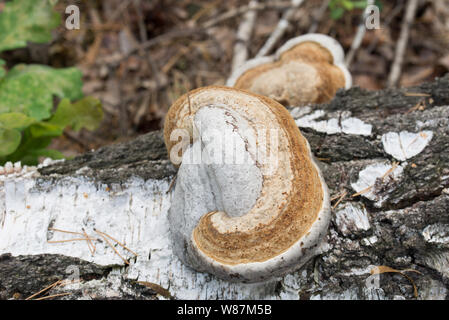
348 5
28 144
44 129
333 4
32 156
30 151
27 20
360 4
9 141
379 4
29 89
50 153
85 113
15 120
337 13
2 69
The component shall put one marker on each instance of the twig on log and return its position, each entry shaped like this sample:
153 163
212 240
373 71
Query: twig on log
113 239
395 72
243 37
340 199
113 248
65 231
54 296
393 167
386 269
362 191
280 29
63 283
387 173
43 290
416 94
90 244
361 30
70 240
172 184
84 234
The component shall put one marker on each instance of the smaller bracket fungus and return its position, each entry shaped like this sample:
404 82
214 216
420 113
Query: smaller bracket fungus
250 203
306 69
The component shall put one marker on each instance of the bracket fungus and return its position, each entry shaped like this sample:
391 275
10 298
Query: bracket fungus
250 202
306 69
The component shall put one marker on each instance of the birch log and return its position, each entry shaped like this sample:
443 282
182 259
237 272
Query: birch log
385 159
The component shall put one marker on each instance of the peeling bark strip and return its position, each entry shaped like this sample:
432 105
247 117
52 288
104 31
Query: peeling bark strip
391 183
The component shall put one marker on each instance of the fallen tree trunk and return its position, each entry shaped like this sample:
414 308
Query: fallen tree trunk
384 156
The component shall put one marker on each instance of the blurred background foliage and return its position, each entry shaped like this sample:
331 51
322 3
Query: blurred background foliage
29 120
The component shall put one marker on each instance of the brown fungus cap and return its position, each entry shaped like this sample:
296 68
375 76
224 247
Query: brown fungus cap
242 221
307 69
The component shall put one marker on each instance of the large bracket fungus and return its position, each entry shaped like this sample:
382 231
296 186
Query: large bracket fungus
306 69
250 202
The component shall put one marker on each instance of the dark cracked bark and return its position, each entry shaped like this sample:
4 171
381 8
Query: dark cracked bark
408 230
23 276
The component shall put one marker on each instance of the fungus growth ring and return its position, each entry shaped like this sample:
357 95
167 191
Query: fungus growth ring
306 69
242 221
